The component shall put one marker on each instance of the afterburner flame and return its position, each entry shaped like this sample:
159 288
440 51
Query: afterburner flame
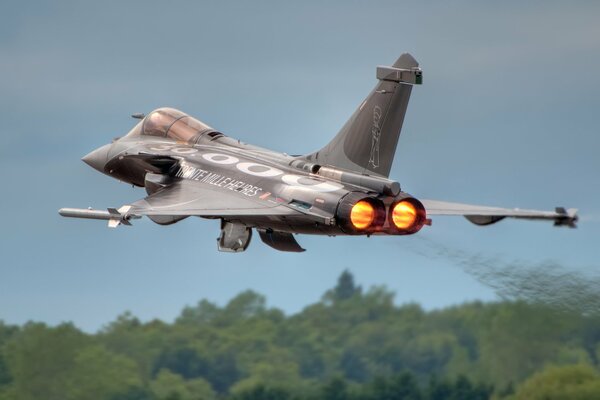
362 215
404 215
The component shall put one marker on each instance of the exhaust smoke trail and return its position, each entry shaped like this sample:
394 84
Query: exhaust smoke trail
546 282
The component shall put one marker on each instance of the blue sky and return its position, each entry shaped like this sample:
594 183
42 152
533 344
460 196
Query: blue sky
507 116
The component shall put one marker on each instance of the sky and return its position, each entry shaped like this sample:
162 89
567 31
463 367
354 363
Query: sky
507 116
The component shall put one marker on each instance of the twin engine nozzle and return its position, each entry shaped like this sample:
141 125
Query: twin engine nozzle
401 215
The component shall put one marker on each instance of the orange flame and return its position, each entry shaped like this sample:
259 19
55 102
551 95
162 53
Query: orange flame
404 215
362 215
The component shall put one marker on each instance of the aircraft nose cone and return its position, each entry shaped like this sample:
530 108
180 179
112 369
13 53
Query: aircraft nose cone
97 159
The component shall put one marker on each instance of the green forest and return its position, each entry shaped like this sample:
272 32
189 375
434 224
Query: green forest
353 344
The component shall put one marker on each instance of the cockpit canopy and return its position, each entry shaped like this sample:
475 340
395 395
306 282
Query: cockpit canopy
173 124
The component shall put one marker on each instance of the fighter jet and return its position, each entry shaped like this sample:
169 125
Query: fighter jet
190 169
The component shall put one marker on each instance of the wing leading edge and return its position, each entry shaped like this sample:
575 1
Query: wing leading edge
483 215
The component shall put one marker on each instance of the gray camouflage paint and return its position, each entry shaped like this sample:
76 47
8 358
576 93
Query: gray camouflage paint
247 187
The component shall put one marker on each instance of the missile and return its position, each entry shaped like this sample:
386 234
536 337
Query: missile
112 215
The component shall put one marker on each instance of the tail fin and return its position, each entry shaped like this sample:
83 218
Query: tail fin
367 142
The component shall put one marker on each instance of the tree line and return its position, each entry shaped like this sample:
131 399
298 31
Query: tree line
353 344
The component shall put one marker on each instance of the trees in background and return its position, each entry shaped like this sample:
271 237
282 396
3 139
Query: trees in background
353 344
569 382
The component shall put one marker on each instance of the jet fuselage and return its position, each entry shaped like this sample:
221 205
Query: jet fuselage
228 166
190 169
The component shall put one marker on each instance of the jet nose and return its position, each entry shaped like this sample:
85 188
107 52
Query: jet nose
97 159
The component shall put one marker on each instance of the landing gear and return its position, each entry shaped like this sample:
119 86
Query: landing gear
234 238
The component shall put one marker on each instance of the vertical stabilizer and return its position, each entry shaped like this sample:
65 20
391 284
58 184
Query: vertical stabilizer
367 142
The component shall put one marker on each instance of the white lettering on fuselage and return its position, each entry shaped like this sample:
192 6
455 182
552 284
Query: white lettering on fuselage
220 158
211 178
265 171
249 168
